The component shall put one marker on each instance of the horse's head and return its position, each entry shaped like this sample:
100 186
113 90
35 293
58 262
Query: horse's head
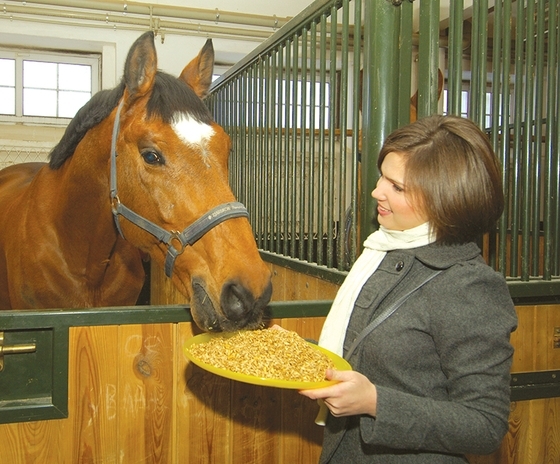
172 169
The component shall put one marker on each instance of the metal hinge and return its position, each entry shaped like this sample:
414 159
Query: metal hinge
14 349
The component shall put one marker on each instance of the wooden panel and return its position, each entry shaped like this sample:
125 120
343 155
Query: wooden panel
134 397
93 381
302 438
203 409
146 393
289 285
162 290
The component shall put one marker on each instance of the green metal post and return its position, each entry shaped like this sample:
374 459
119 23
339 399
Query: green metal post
428 58
381 19
455 68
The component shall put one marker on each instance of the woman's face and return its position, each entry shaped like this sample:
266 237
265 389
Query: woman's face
395 210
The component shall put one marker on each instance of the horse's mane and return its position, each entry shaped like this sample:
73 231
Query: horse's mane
170 97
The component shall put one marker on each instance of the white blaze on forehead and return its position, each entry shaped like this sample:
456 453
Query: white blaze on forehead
192 131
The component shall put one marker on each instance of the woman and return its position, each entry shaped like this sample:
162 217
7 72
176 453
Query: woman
430 383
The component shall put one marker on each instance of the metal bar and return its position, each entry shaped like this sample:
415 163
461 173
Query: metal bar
158 10
405 62
303 181
322 126
268 146
535 385
455 68
261 153
249 155
277 179
342 239
497 86
243 151
477 107
504 148
428 58
295 193
516 192
379 115
285 176
551 171
356 135
528 158
537 168
333 110
556 160
138 21
312 151
236 116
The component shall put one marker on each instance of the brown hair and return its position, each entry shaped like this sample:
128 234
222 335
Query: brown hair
453 173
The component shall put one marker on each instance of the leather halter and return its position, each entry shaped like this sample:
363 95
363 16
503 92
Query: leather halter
189 236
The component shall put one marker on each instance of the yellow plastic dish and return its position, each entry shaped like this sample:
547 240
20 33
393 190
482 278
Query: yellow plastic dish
339 364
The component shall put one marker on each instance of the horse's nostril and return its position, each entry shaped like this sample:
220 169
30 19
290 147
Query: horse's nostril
236 301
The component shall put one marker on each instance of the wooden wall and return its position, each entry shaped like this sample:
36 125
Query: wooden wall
134 398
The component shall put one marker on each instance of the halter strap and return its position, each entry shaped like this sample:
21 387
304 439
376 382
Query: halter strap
190 235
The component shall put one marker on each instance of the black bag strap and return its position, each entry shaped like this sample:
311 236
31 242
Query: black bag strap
385 314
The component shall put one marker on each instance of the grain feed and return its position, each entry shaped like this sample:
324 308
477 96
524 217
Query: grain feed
266 353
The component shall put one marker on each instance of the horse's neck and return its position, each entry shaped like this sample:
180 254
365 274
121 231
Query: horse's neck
83 211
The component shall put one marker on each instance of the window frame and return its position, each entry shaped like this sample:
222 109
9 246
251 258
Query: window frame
20 55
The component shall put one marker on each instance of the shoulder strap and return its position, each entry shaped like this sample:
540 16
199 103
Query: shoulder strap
385 314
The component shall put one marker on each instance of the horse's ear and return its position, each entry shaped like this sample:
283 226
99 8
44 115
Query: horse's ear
141 65
198 73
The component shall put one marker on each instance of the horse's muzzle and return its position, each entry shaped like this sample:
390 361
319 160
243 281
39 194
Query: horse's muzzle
239 308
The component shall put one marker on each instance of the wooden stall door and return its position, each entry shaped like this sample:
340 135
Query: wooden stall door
135 398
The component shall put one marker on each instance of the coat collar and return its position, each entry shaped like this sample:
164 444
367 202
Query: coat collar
444 256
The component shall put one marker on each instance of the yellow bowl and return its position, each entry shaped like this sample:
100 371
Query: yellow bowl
339 364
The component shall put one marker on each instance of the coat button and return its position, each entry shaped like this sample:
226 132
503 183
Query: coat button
399 266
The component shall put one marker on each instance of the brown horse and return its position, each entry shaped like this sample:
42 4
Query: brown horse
136 166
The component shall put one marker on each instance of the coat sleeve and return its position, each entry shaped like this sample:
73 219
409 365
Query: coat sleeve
470 327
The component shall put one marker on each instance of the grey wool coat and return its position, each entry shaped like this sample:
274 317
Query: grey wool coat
441 363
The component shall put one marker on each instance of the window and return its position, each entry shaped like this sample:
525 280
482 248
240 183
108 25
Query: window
42 87
7 86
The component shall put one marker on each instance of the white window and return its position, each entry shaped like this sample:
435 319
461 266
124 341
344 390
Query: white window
45 88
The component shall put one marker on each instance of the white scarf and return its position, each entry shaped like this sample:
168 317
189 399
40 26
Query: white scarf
375 249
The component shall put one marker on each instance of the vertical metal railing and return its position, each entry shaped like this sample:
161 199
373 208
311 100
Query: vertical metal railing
306 131
292 115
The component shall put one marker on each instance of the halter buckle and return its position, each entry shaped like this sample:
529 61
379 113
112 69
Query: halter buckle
115 202
176 237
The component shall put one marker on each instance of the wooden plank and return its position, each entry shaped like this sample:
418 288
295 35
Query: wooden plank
93 383
279 283
203 411
30 442
256 423
301 437
145 393
553 354
524 339
162 290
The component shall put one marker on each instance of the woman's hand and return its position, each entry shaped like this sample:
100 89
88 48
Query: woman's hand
353 394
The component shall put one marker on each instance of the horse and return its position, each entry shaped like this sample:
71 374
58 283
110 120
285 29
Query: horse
141 171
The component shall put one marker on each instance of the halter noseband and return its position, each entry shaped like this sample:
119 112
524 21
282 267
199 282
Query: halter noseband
189 236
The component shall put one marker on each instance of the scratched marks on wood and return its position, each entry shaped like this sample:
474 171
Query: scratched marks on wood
146 399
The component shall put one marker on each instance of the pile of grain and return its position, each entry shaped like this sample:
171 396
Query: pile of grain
266 353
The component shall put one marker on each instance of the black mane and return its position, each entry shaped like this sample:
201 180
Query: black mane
170 97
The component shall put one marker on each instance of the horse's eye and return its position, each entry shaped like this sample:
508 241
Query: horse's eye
152 157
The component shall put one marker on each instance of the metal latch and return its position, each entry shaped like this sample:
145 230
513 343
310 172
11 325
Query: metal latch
556 337
14 349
